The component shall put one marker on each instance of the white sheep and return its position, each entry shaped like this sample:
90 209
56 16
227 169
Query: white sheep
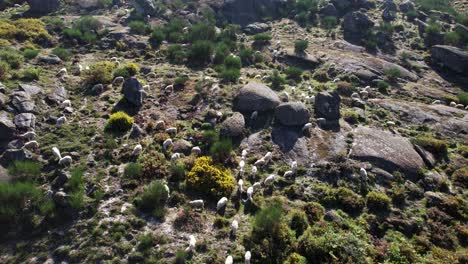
137 150
175 157
269 179
56 153
30 135
167 143
65 161
62 72
197 204
247 257
355 95
250 192
118 80
460 106
113 59
254 115
196 151
293 90
336 80
31 145
288 174
260 162
321 121
390 123
307 126
192 244
229 260
234 227
258 76
453 104
254 171
256 186
167 190
240 184
60 121
363 173
268 156
171 130
169 89
286 96
309 99
221 203
160 125
244 153
65 103
436 102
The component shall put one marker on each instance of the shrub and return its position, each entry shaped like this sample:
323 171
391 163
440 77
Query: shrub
138 27
30 28
221 150
133 170
25 170
451 38
53 23
176 54
127 70
177 171
188 221
460 177
230 75
314 211
386 28
294 73
392 73
262 38
145 241
246 55
31 74
378 201
202 31
383 86
232 62
321 76
295 258
12 58
75 186
30 54
156 38
201 52
300 45
345 199
298 222
433 29
7 30
153 165
173 29
84 29
276 80
4 70
436 146
13 199
153 199
100 73
329 22
119 122
208 178
463 98
62 53
221 52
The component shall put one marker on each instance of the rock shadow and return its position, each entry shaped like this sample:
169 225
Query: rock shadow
286 137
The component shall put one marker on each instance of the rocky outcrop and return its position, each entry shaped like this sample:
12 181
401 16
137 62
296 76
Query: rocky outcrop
244 12
233 126
59 95
329 10
292 114
25 121
385 150
133 91
145 7
43 6
22 102
327 105
406 6
356 26
7 127
453 58
255 97
303 60
256 28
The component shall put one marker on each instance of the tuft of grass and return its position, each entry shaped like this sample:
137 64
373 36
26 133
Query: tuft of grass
25 170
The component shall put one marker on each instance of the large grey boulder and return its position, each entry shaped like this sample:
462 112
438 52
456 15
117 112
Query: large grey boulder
255 97
133 91
30 89
182 146
244 12
43 6
453 58
7 127
233 126
385 150
145 7
22 102
292 114
327 105
25 121
356 26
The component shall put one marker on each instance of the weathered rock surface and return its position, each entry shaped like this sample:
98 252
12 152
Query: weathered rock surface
25 121
453 58
233 126
59 95
385 150
406 6
145 7
182 146
22 102
292 114
133 91
327 105
244 12
256 97
329 10
355 27
43 6
256 28
7 127
30 89
303 60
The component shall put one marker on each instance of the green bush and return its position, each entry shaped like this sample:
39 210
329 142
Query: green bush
100 73
126 70
62 53
295 258
230 75
276 80
156 38
221 150
176 54
298 222
262 38
145 241
119 122
12 58
329 22
153 165
84 29
300 45
202 31
345 199
436 146
246 55
4 69
177 171
383 86
351 116
76 187
173 30
153 199
25 170
133 170
221 53
232 62
200 53
30 54
13 199
294 73
138 27
392 73
452 38
378 201
210 179
31 74
463 98
433 28
386 28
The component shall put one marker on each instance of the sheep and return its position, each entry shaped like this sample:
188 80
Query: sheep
436 102
250 192
247 257
258 76
169 89
167 190
171 130
80 69
31 145
260 163
268 156
113 59
146 87
460 106
453 104
256 186
62 72
167 143
294 166
234 227
240 183
286 96
30 135
221 203
336 80
175 157
307 126
192 243
321 121
56 153
365 94
65 103
60 121
269 179
363 173
229 260
137 150
160 125
254 171
196 151
355 95
293 90
244 153
310 99
65 161
241 165
390 123
254 115
118 80
219 114
288 174
200 204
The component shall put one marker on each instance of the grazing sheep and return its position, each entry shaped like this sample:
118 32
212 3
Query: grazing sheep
221 203
171 130
260 162
271 178
31 145
258 76
293 90
62 72
167 190
175 157
137 150
355 95
268 156
30 135
453 104
192 243
294 166
56 153
254 115
306 126
167 143
256 186
310 99
234 227
244 153
363 173
229 260
250 192
200 204
240 183
286 96
321 121
247 257
80 69
113 59
118 80
65 161
160 125
169 89
66 103
390 123
436 102
336 80
254 171
146 87
196 151
60 121
364 94
288 174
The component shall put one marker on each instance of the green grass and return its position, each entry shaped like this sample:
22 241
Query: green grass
25 170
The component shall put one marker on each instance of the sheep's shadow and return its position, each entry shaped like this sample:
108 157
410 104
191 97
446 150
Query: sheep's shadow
286 137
